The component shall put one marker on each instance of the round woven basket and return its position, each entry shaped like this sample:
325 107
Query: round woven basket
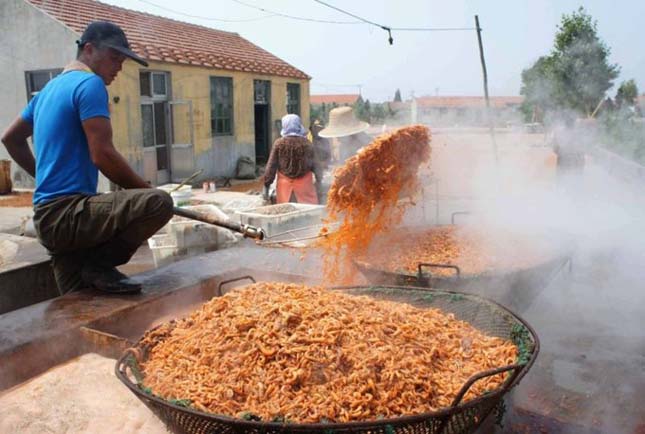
460 417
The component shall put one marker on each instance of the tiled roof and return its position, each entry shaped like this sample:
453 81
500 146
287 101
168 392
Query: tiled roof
330 99
166 40
468 101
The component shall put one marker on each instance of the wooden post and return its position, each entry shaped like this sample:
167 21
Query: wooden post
491 125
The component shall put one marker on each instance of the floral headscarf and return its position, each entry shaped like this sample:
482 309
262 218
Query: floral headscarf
292 126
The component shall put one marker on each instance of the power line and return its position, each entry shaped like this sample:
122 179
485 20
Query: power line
271 14
432 29
389 29
351 14
293 17
386 28
245 20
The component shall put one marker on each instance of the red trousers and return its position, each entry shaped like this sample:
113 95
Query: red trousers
302 188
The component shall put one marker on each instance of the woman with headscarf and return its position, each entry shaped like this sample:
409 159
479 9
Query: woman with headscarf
292 159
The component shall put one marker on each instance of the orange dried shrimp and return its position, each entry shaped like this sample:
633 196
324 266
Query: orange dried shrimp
364 195
473 252
304 354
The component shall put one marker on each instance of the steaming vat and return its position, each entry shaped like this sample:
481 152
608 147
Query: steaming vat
514 286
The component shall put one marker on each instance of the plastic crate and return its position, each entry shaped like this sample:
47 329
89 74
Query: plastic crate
276 219
186 233
233 207
164 250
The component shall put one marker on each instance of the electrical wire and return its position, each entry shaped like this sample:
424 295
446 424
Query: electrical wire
351 14
271 14
386 28
389 29
223 20
432 29
293 17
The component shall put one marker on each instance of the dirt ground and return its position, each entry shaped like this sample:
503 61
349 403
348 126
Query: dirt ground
16 199
243 187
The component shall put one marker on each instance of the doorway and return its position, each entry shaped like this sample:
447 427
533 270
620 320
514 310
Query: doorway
262 113
156 126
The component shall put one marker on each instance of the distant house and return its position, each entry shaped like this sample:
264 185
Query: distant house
334 100
322 104
459 110
208 97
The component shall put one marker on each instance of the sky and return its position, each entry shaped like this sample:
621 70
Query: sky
342 57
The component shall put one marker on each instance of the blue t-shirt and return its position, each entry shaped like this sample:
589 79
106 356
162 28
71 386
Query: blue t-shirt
63 163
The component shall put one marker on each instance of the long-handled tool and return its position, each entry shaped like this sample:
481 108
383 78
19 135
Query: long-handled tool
187 180
246 230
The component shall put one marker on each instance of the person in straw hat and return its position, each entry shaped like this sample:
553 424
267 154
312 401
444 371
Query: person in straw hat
349 131
292 158
322 146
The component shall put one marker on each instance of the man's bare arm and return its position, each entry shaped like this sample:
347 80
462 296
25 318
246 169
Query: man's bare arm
15 140
105 156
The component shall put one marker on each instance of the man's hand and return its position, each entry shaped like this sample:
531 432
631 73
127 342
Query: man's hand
15 140
105 156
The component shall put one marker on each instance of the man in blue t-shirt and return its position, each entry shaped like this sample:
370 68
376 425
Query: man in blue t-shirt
87 234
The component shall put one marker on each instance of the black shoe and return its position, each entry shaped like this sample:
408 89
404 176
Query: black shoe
109 280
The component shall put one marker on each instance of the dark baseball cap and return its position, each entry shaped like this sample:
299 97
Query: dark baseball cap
106 34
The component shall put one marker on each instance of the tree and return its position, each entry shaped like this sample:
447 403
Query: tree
575 75
627 93
397 96
378 112
367 114
362 109
538 89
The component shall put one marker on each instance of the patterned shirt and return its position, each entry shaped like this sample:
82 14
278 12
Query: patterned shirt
294 157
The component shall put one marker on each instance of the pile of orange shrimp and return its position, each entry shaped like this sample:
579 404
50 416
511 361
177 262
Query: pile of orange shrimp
292 353
363 200
474 252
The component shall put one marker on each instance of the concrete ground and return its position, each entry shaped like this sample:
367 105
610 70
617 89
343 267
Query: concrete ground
14 209
11 218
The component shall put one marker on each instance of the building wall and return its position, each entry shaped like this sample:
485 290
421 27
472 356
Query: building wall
32 41
216 155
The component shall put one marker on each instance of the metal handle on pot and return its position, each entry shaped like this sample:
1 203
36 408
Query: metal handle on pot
237 279
452 216
475 378
430 265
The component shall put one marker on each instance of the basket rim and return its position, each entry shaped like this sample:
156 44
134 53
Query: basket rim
512 380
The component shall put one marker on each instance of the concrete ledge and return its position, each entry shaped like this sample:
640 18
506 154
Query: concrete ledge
26 276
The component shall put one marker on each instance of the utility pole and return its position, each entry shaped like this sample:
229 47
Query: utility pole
491 126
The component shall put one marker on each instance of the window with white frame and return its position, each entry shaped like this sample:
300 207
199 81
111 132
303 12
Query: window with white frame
36 80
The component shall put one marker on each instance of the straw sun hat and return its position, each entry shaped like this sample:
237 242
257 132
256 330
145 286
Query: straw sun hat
343 123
